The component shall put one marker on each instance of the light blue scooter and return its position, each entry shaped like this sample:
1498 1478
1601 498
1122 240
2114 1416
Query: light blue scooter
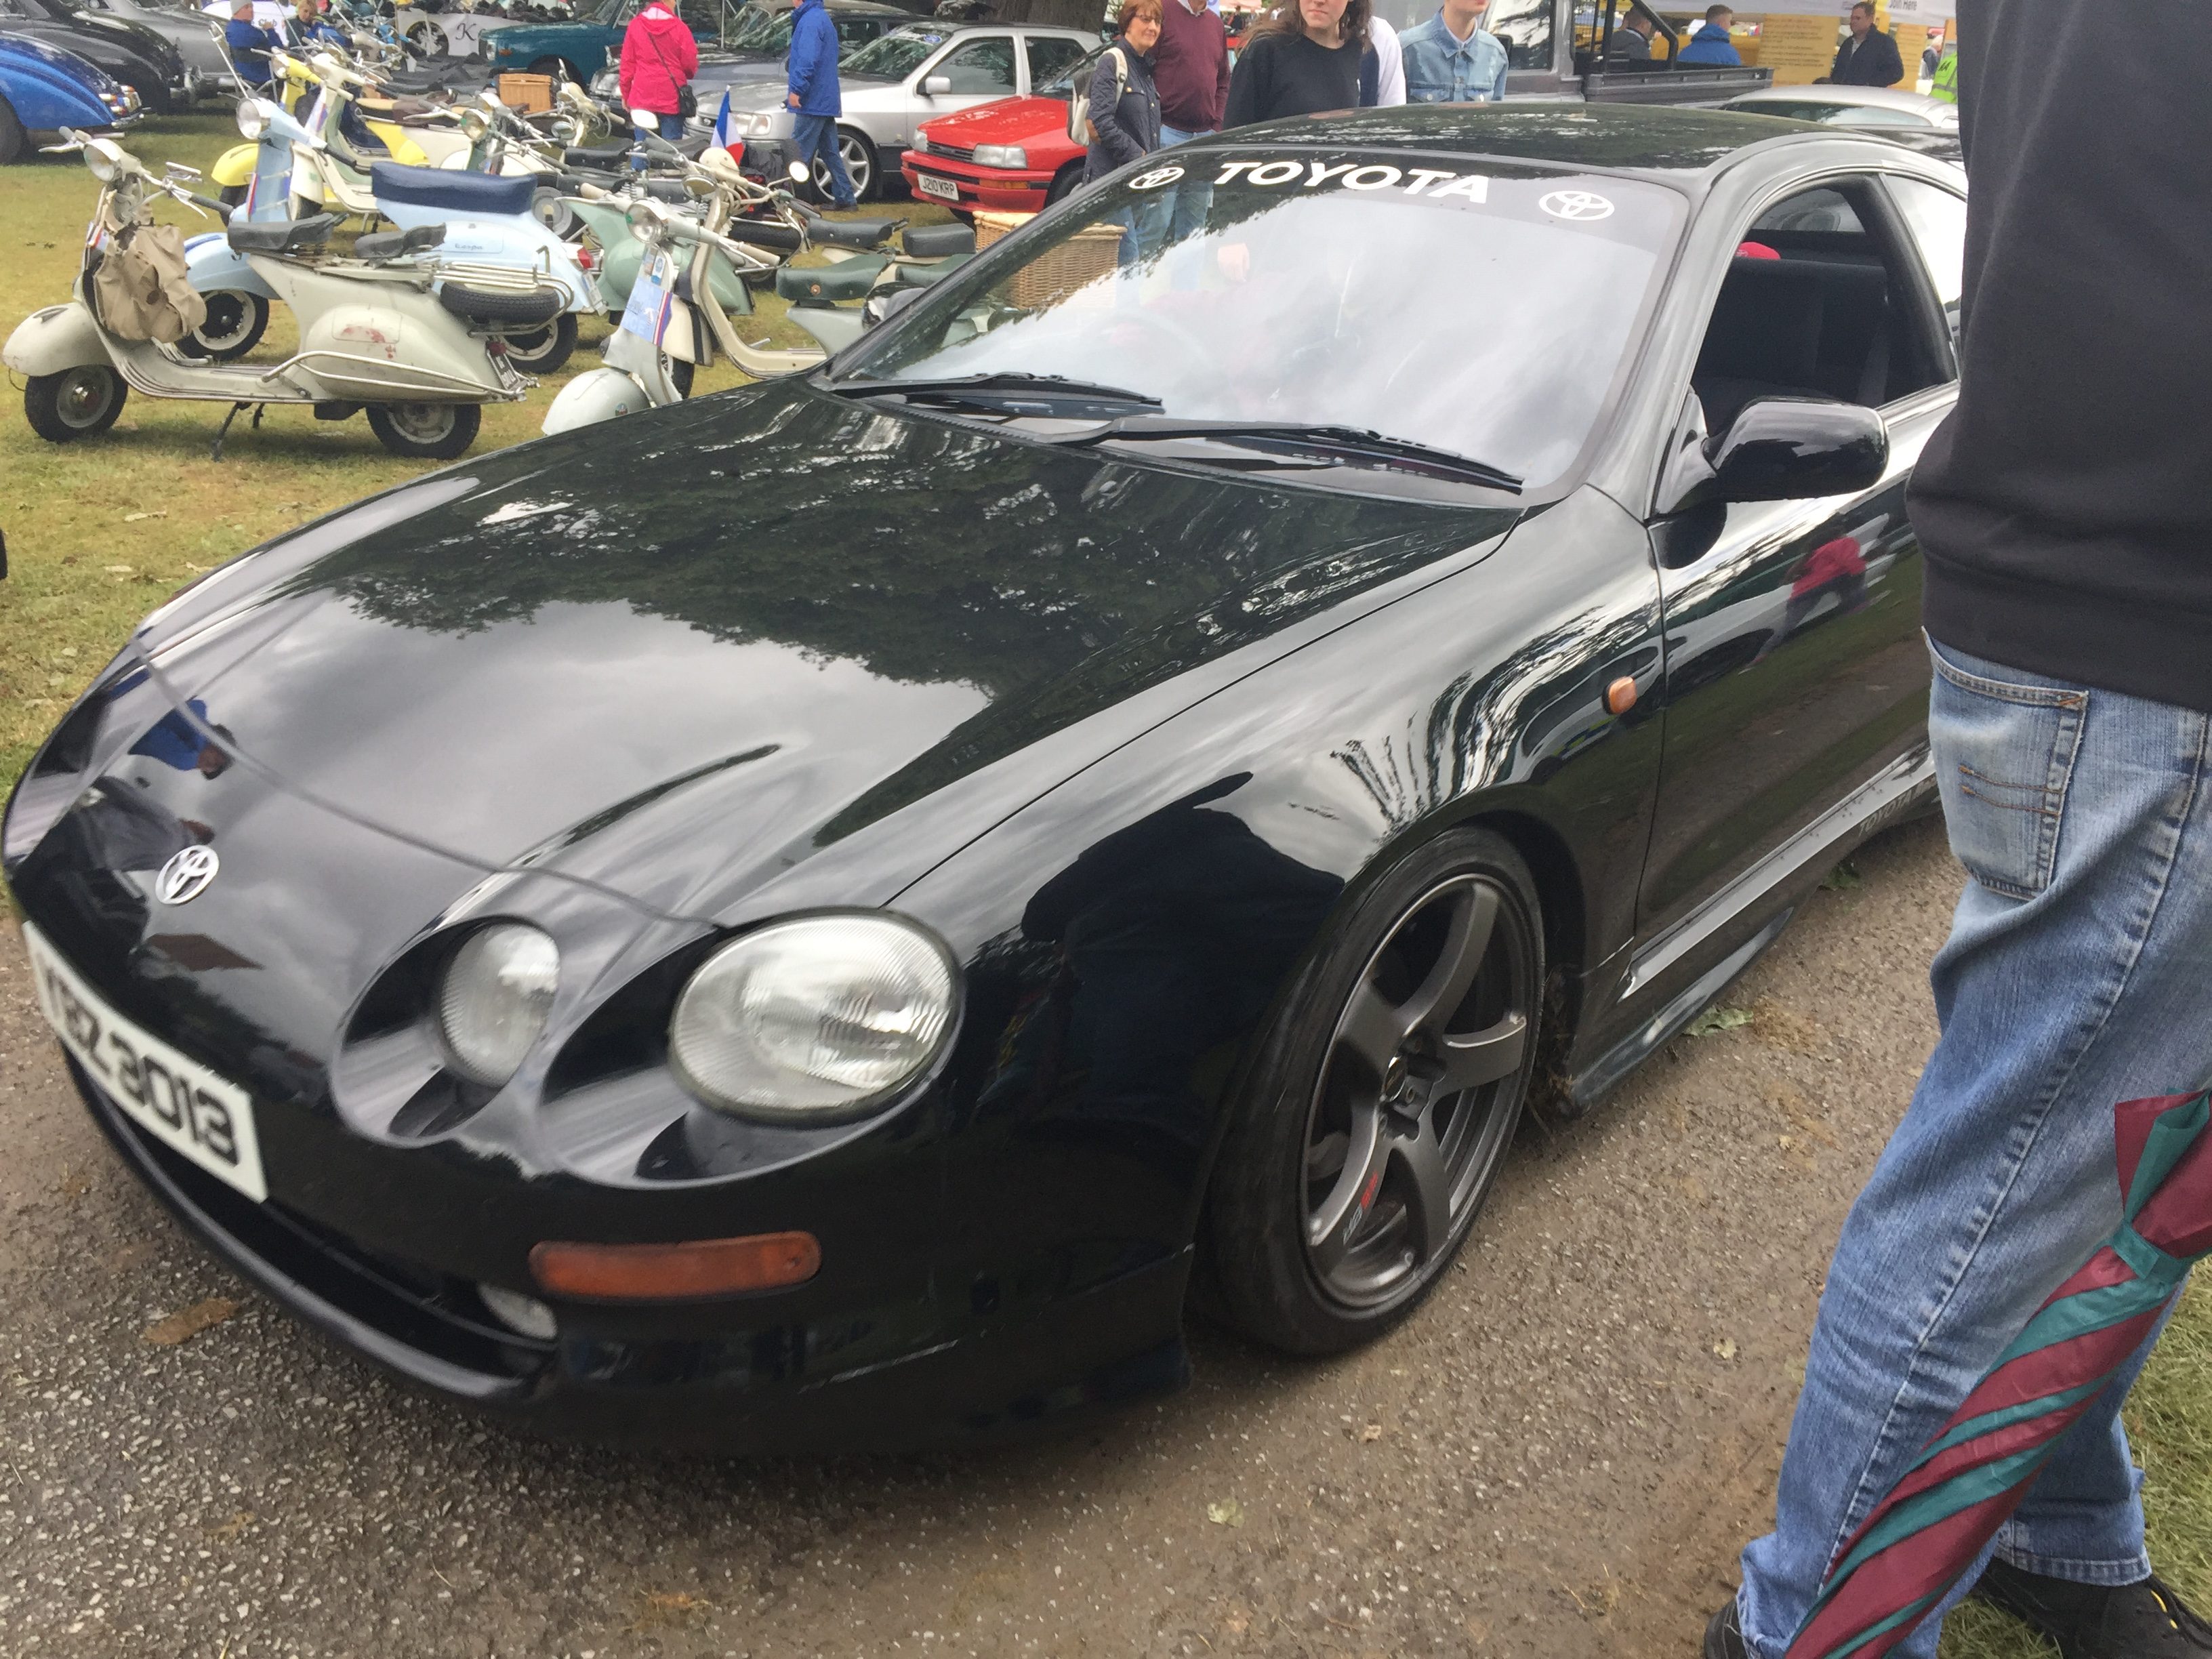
488 223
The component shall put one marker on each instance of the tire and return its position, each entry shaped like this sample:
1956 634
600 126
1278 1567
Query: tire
232 196
11 134
859 167
426 432
679 374
1313 1246
426 39
550 211
77 403
558 68
1064 183
544 350
235 323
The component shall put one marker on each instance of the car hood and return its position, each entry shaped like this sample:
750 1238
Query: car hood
735 631
1008 121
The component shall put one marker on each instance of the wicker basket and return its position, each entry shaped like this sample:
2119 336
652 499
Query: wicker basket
1082 259
530 94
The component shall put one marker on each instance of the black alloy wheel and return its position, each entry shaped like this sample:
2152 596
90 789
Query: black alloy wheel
235 325
1364 1144
77 402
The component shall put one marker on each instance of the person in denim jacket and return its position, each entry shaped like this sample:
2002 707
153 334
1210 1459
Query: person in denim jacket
1453 59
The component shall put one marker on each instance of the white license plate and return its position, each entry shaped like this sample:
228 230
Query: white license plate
943 189
178 1101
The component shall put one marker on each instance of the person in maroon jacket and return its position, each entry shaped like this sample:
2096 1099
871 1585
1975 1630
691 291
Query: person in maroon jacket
1190 67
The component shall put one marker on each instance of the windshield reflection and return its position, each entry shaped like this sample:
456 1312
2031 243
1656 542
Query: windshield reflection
1488 314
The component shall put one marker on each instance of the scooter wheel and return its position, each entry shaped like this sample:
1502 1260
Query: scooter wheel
679 374
425 432
77 403
543 349
232 196
233 327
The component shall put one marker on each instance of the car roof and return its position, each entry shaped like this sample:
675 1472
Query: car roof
864 8
1865 97
1671 144
949 27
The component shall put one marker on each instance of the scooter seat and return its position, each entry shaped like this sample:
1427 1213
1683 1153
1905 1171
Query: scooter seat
766 232
929 276
595 155
827 284
693 145
284 235
850 233
465 195
938 241
391 244
667 189
502 306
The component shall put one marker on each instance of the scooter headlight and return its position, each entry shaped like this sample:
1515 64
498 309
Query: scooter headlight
103 164
253 119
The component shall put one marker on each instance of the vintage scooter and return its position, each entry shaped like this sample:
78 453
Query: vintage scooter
486 222
373 334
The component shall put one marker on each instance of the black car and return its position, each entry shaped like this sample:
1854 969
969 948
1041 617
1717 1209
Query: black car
813 916
136 56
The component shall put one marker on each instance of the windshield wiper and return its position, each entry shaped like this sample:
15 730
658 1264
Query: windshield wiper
1008 392
1341 443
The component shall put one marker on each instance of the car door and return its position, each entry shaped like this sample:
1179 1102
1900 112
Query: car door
976 66
1795 686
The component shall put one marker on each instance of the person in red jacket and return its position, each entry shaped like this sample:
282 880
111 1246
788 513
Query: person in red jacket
659 58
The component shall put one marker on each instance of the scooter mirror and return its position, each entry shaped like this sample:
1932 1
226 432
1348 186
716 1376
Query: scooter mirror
645 120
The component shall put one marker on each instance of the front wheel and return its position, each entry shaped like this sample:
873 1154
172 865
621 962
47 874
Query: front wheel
679 373
425 432
11 134
235 325
1368 1138
77 403
860 158
1064 183
543 349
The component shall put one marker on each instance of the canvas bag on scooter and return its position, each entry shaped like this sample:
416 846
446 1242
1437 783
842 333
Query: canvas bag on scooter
141 287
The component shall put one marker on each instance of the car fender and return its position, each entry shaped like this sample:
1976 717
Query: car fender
60 337
49 88
213 267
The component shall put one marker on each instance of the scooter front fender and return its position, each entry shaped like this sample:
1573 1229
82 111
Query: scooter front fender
60 337
236 165
599 395
213 267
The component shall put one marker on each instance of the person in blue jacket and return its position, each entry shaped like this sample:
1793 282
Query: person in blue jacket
248 46
1711 44
814 98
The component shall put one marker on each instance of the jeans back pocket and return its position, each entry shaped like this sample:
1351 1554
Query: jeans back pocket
2004 755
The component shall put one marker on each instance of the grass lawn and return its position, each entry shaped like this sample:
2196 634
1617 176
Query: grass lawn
100 531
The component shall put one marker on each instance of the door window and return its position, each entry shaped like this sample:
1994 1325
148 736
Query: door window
982 68
1815 305
1049 58
1938 220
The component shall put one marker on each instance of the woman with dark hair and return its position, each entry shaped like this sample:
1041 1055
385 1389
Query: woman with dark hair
1124 104
1300 60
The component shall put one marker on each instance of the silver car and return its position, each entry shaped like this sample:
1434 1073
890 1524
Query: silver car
1886 108
913 75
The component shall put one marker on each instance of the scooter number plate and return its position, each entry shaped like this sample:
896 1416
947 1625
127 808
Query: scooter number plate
650 303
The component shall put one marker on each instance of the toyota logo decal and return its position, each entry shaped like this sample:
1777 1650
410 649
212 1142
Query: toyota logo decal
1155 178
1578 204
186 875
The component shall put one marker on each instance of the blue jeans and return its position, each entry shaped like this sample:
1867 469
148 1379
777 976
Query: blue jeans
671 129
817 135
1192 203
2073 979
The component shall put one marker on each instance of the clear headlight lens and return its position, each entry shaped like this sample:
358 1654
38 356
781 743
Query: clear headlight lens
253 117
1001 155
756 125
496 994
815 1017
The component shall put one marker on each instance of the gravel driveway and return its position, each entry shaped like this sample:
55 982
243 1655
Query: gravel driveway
1559 1455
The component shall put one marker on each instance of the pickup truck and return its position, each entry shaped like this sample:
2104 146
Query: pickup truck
1546 59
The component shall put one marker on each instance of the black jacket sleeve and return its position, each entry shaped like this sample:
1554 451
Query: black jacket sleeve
1251 87
1889 65
1121 145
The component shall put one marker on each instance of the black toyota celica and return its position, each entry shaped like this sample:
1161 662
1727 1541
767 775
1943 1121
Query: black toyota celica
817 916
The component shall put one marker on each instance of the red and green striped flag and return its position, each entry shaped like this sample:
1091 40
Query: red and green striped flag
1901 1564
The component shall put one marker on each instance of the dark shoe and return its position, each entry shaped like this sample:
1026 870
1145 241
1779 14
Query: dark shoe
1724 1635
2097 1621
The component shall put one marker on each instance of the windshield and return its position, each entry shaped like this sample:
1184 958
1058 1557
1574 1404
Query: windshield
759 29
897 55
1486 312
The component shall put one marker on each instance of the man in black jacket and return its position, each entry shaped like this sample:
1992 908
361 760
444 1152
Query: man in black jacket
1869 58
2065 513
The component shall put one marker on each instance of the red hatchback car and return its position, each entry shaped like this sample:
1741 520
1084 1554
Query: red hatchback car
1013 155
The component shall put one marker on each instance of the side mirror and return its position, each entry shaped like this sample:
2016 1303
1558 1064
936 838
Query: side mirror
1780 449
935 85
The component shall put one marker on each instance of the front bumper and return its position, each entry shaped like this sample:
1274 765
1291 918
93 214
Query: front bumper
979 187
772 1384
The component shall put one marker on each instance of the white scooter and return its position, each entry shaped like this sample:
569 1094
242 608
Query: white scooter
373 335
